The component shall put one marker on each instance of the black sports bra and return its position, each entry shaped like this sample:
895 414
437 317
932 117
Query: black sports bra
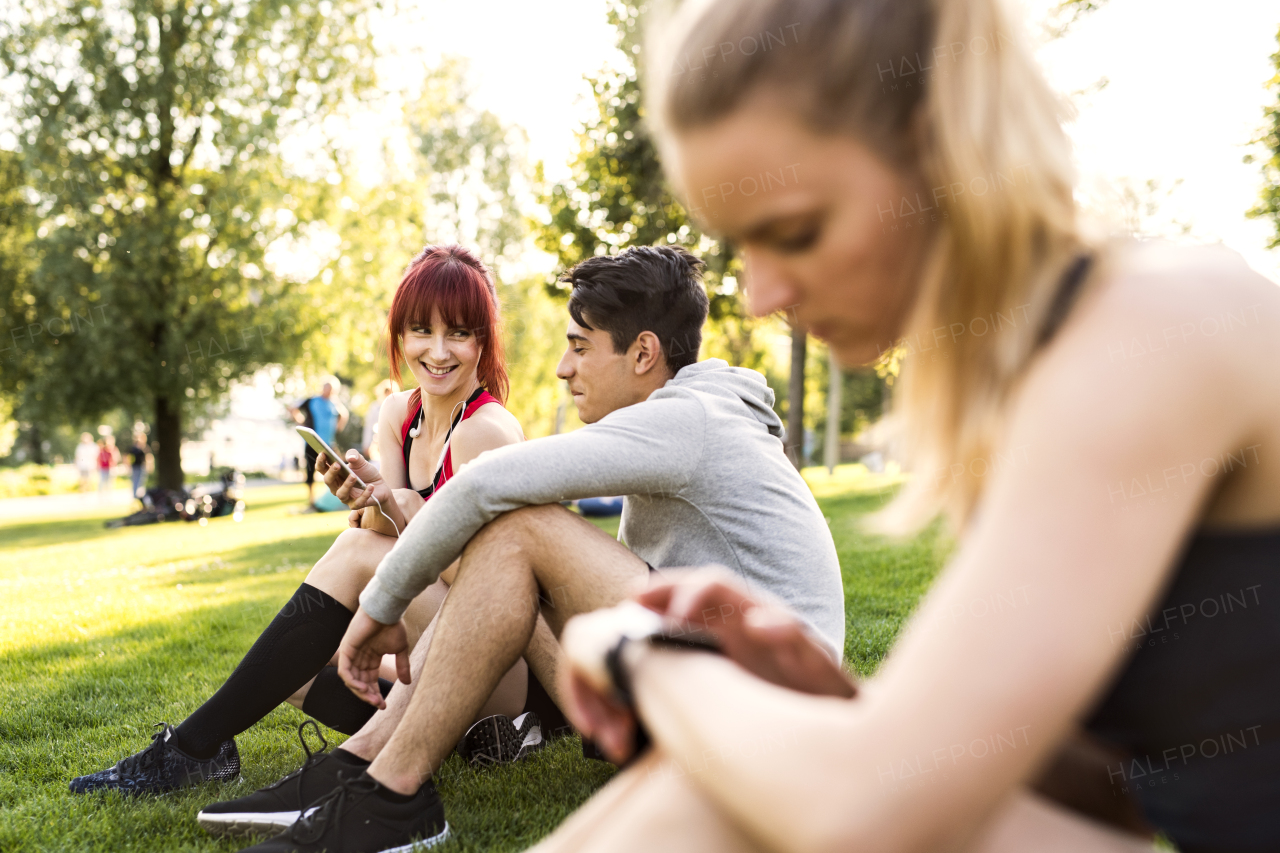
1197 706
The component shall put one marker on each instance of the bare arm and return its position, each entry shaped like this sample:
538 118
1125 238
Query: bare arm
390 451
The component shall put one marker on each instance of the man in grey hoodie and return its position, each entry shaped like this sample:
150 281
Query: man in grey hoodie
696 449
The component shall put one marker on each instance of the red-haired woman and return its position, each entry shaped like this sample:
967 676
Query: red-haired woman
442 325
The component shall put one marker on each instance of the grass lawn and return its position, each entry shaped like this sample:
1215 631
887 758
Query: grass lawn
104 632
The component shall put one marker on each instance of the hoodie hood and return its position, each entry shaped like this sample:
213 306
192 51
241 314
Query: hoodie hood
715 376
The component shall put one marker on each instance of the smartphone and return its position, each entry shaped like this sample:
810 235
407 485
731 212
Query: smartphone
319 445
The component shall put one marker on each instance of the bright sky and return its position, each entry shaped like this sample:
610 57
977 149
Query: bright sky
527 59
1185 92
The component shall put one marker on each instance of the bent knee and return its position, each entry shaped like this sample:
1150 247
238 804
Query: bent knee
355 553
531 520
516 530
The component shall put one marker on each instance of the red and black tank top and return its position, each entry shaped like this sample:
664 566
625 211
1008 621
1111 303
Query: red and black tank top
445 471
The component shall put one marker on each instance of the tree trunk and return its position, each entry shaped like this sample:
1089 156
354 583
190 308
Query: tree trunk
168 451
795 399
37 445
831 448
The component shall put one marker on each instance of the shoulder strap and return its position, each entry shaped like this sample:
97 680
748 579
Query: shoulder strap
1065 298
415 408
478 399
445 470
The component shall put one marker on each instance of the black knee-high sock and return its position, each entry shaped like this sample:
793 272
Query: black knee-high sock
331 702
299 641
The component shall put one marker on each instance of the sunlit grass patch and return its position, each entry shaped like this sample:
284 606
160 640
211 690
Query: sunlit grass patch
105 632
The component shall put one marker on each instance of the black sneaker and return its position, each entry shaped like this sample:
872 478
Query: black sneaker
281 803
355 818
502 740
162 767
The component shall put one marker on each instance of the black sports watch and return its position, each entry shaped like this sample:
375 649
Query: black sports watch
660 638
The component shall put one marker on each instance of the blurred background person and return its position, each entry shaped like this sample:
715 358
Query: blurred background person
139 456
86 460
327 416
369 438
108 458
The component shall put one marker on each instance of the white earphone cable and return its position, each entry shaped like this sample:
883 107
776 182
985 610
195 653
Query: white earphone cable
386 516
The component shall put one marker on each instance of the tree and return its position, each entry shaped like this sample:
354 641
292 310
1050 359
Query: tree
453 173
1269 205
617 197
150 137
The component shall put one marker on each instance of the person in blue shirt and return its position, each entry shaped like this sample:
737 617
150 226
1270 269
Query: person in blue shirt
327 417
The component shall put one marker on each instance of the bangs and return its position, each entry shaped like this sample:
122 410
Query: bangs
451 280
459 292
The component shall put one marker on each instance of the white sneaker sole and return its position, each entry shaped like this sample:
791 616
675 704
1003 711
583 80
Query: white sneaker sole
443 835
271 823
247 823
500 740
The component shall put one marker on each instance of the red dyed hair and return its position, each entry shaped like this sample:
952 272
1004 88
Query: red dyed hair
455 281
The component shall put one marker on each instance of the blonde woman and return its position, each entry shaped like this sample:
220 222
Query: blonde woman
1100 659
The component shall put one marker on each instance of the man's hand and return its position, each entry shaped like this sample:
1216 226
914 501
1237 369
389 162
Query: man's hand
361 651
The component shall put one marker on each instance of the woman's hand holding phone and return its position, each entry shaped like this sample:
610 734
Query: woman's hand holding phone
364 502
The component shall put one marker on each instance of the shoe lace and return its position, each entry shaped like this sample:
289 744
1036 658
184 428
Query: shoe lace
313 758
149 757
328 810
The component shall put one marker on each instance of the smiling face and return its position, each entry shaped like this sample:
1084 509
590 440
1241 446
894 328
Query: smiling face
602 380
443 357
818 219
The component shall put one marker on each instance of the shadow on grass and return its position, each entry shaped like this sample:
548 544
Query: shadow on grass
34 534
24 533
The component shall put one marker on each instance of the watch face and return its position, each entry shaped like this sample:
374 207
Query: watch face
636 621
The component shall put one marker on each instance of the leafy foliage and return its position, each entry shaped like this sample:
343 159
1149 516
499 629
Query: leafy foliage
617 197
152 170
1269 205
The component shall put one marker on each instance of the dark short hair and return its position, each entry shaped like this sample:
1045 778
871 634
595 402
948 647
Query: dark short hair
643 289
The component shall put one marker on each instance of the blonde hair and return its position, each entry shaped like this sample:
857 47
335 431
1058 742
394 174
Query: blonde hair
947 92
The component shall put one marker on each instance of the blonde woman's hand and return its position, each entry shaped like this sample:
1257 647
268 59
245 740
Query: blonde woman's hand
593 707
761 636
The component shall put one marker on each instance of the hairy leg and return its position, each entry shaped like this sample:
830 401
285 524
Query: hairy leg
537 558
544 656
507 698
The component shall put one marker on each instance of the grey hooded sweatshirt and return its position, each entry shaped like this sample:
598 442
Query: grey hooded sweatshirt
705 480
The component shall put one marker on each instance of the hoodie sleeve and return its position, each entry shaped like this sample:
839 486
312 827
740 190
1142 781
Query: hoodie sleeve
648 448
